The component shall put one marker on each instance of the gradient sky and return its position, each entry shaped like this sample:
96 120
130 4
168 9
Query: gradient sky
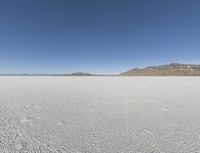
97 36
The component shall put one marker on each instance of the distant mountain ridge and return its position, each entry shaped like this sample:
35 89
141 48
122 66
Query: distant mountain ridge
173 69
79 74
66 74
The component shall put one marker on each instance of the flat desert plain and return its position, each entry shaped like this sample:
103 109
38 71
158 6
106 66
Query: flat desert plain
99 114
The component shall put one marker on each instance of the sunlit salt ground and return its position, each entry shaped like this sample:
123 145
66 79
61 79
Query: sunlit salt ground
99 114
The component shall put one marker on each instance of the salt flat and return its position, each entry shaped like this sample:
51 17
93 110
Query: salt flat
99 114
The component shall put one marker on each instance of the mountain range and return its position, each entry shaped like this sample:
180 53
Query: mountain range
173 69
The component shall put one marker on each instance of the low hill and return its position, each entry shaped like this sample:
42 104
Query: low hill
80 74
173 69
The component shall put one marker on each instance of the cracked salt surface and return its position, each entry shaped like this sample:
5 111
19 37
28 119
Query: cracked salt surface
99 114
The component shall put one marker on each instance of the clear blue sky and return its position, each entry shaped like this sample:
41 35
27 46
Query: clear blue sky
98 36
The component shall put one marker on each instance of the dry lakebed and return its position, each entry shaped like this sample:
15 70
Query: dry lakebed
99 114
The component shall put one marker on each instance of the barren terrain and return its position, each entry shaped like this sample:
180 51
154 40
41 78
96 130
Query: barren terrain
99 114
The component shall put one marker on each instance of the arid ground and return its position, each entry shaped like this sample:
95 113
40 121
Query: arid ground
99 114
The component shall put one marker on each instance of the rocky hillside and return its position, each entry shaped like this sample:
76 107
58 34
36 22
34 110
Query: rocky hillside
173 69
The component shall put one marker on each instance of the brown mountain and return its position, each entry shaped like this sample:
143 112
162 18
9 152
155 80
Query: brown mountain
173 69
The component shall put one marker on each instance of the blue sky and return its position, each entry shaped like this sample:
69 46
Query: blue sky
97 36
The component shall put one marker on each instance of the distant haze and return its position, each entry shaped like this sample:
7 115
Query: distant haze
101 37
